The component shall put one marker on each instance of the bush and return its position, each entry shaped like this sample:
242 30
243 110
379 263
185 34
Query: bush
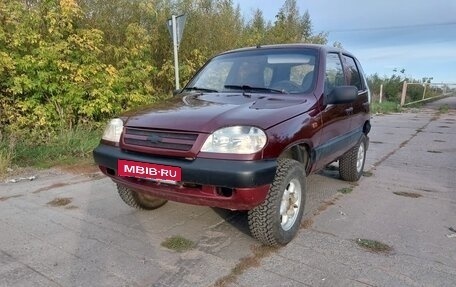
66 146
55 77
66 63
385 107
6 156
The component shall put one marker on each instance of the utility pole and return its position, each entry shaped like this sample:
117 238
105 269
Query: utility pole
404 93
176 29
176 59
381 93
426 81
424 92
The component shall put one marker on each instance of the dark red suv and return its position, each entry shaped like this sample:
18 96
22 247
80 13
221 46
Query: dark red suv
244 134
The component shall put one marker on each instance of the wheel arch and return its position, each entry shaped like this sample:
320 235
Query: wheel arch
299 152
366 127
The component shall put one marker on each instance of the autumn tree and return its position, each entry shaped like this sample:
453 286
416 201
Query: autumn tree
65 63
292 27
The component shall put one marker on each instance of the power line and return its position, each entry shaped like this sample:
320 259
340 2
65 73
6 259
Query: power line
392 27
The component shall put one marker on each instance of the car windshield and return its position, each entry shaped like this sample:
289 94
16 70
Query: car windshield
290 71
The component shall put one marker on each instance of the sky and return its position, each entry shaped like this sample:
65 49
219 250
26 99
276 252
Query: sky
416 35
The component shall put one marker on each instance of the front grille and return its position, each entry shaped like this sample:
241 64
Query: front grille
159 139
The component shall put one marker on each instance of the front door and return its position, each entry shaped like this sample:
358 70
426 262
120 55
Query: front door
336 119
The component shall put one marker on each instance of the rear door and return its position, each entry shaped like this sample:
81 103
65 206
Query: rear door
355 77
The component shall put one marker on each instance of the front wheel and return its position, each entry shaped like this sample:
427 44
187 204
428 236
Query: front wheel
139 200
351 164
276 221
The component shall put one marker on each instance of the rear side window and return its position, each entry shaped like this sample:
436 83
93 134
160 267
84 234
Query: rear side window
352 73
334 74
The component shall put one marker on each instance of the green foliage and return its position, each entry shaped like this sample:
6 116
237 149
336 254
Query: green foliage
55 77
6 154
345 190
443 109
178 243
67 146
385 107
66 63
291 27
374 245
392 87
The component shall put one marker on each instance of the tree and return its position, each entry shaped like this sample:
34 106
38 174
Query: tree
256 29
69 62
291 27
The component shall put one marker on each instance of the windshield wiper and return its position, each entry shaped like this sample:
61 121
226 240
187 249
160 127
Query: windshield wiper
201 89
247 88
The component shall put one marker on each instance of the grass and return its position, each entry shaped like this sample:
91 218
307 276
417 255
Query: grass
385 107
443 109
5 159
65 148
374 245
6 154
345 190
60 201
367 174
178 243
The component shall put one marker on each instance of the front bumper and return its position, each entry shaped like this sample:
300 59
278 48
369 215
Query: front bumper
230 184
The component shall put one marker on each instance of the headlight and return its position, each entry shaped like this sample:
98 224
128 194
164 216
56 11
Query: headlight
113 130
237 140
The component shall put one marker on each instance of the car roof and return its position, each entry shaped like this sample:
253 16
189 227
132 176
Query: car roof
321 48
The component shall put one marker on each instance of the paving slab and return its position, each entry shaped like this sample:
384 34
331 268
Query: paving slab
96 240
409 154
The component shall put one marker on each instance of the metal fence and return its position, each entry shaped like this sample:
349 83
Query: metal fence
441 89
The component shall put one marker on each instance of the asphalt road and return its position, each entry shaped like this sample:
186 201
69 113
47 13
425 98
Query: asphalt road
67 229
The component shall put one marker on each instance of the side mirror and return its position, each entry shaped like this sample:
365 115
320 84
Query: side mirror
178 91
342 95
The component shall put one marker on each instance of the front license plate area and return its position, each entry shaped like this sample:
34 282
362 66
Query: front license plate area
149 170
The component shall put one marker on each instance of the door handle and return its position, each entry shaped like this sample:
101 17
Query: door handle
349 111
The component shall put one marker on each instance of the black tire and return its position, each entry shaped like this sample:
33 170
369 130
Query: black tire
351 164
139 200
265 220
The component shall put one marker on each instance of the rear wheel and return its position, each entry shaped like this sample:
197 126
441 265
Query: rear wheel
139 200
351 164
276 221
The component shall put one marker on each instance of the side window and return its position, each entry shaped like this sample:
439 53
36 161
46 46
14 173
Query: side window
334 74
352 73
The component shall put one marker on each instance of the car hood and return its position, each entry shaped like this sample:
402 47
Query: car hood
207 112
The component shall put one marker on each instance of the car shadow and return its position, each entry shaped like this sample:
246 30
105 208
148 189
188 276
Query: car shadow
236 218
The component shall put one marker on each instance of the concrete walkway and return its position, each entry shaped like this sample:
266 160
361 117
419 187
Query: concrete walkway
409 203
65 229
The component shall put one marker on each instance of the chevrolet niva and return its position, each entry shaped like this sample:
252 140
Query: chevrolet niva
244 134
